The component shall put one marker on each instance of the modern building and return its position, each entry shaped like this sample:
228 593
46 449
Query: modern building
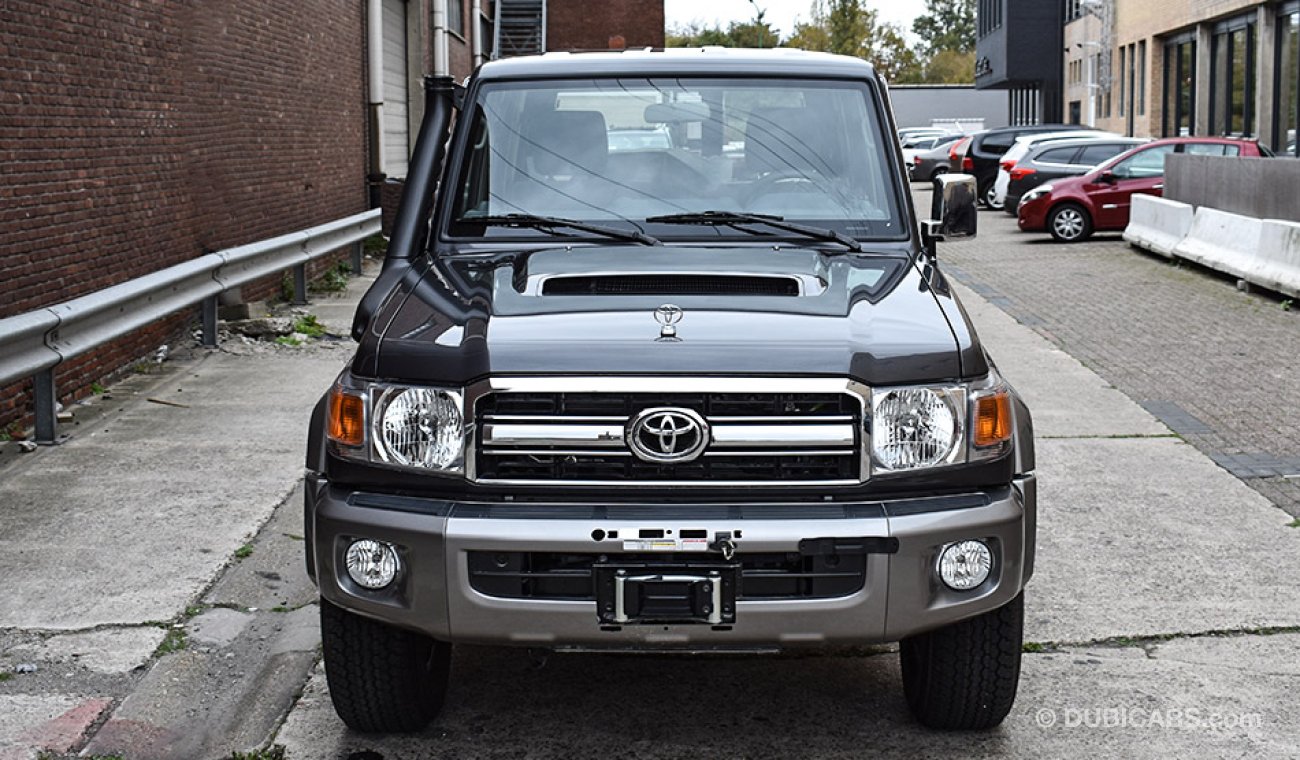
1018 49
1179 67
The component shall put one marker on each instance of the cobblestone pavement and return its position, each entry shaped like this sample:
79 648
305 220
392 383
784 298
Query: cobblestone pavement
1220 367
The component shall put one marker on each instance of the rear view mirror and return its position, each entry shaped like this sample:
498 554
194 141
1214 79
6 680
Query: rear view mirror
675 113
953 213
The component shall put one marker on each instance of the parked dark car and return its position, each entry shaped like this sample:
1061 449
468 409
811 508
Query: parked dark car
915 146
1058 160
1072 209
669 400
939 160
986 150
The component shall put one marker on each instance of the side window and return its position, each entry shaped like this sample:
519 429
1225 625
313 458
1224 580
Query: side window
1206 149
1096 154
1057 156
997 144
1148 163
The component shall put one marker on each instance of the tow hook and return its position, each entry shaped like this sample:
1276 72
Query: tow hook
722 543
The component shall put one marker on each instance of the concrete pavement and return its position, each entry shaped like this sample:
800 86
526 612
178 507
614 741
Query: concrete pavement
112 543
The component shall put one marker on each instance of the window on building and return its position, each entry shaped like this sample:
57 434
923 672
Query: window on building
1232 79
1142 78
1180 86
1288 81
1123 80
456 17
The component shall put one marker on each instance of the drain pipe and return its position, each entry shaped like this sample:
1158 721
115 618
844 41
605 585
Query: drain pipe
476 11
441 56
375 87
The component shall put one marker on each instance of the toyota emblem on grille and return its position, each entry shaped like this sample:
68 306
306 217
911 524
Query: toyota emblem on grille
667 436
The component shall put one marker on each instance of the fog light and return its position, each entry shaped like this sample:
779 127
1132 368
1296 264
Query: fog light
965 564
372 564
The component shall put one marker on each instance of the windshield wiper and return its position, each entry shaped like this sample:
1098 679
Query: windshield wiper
551 222
733 218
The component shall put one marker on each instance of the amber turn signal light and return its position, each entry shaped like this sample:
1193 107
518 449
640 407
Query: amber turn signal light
347 418
993 419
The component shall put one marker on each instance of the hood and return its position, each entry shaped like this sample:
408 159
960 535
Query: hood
739 311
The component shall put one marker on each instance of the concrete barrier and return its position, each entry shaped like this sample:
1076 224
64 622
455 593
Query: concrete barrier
1278 265
1226 242
1158 224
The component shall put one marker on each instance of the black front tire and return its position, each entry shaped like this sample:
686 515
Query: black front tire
964 676
382 679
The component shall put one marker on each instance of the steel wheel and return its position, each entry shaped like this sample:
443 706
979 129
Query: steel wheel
1069 224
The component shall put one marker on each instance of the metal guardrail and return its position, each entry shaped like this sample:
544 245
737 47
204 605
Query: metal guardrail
35 343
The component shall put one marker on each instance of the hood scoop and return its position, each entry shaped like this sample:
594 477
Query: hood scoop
672 284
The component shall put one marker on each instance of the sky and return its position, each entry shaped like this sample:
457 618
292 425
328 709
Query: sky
781 14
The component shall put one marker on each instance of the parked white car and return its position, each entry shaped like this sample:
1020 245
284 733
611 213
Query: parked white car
1022 146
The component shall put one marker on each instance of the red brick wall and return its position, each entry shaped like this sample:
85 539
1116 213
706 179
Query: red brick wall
136 135
584 25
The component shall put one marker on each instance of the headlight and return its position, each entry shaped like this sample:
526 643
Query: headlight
409 427
1035 193
917 427
914 428
420 427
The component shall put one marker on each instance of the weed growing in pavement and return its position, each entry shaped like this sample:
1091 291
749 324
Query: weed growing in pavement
335 279
244 551
286 287
1033 647
287 340
376 244
308 325
5 676
1287 303
97 389
174 641
1294 523
275 752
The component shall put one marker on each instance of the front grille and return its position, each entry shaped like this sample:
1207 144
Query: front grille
775 438
548 575
670 285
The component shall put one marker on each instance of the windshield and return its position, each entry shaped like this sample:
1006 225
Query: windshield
620 151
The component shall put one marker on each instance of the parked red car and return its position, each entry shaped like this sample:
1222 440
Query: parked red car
1073 208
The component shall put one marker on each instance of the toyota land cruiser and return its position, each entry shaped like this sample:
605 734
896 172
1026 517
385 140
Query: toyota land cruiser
707 392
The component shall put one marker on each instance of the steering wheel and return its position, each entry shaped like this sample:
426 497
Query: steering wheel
788 180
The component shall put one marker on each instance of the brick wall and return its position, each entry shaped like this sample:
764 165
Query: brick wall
136 135
580 25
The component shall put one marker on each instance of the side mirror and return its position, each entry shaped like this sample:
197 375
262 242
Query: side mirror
1106 178
953 215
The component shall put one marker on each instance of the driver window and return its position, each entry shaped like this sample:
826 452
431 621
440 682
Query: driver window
1148 163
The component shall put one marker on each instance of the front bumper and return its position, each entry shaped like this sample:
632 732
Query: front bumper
1031 216
900 596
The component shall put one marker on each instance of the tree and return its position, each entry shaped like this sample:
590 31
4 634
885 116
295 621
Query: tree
747 34
950 67
847 28
947 25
